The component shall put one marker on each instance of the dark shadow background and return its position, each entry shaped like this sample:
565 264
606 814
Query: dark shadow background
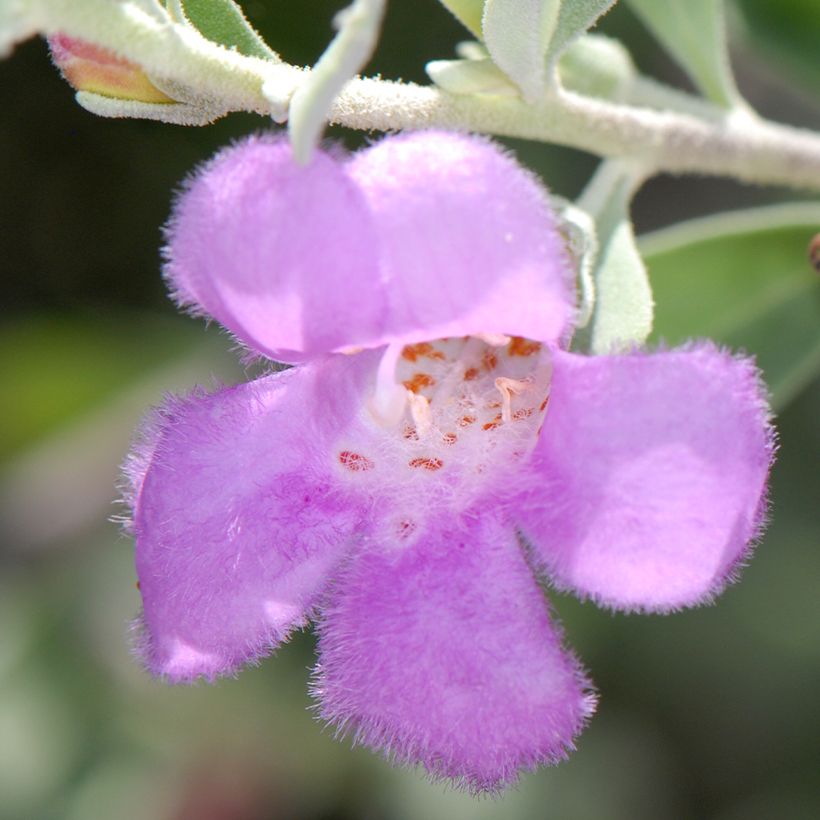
708 713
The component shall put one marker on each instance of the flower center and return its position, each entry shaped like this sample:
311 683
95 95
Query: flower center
457 406
472 397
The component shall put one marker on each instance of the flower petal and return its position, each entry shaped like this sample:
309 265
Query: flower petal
442 652
652 476
282 255
468 241
238 517
419 237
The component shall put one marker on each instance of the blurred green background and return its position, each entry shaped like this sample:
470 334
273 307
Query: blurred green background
710 713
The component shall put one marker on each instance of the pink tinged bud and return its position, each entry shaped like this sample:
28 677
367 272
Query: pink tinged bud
87 67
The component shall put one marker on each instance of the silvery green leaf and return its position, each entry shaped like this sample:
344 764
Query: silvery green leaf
358 32
624 306
623 297
518 34
223 22
574 18
175 113
468 12
469 77
472 50
694 32
597 66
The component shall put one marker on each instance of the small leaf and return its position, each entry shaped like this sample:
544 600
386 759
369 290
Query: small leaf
350 49
467 12
469 77
526 37
597 66
743 279
518 34
623 313
472 50
694 32
223 22
574 19
174 113
623 297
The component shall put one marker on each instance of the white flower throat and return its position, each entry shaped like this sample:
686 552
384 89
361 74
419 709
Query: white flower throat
461 406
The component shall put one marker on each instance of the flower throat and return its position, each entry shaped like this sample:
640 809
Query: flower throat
463 403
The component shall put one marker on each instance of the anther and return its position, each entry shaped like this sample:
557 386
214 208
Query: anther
388 401
420 412
508 388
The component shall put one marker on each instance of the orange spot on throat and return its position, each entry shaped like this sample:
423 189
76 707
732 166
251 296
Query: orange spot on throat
489 360
431 464
355 462
419 381
522 347
421 350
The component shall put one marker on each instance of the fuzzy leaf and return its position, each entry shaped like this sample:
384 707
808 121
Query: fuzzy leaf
694 32
472 50
597 66
525 38
574 19
623 311
744 279
518 34
174 113
350 49
469 77
467 12
223 22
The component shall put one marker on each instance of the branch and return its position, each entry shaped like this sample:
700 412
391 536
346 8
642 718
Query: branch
740 145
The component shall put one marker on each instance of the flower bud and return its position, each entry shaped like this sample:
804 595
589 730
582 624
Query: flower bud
597 66
88 67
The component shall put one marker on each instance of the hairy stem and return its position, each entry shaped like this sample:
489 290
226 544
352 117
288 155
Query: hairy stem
740 145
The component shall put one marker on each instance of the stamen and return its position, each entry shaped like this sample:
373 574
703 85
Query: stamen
420 411
508 388
389 398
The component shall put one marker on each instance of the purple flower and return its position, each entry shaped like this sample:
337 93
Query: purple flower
435 451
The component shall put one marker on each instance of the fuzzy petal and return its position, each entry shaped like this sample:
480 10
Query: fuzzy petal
469 243
238 518
442 652
282 255
652 474
419 237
